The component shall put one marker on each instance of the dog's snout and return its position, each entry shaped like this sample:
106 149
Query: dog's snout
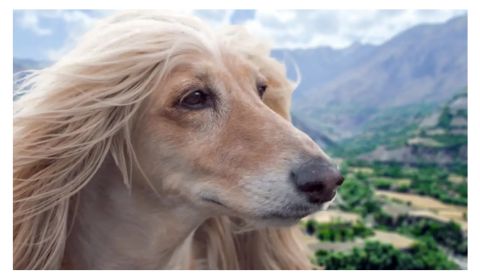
318 179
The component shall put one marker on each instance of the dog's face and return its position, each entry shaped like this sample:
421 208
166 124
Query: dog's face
209 136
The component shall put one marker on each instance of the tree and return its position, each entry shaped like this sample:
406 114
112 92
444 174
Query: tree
375 255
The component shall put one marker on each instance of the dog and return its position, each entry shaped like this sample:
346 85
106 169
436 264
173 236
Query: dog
159 143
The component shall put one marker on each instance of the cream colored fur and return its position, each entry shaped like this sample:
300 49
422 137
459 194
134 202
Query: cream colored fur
74 127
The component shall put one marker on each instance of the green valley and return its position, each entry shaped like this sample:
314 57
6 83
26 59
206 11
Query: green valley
406 182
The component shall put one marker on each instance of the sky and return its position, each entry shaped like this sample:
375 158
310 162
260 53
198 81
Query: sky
48 34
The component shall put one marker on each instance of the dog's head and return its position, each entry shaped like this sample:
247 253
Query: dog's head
216 133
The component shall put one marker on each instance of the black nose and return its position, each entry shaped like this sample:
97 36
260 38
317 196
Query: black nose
318 179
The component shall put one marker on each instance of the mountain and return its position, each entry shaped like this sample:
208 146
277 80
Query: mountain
345 93
22 64
343 90
320 65
439 138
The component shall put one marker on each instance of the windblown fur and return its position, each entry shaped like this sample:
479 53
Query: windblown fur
73 115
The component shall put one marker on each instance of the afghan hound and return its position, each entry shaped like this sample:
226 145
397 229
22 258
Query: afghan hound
159 143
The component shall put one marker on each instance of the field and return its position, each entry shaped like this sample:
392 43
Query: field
380 209
429 207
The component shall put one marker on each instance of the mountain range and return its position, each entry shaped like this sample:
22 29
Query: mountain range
344 93
341 91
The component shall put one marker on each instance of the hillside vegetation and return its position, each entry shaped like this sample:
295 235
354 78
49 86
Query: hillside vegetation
406 177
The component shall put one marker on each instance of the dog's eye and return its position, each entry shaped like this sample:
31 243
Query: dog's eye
196 100
261 88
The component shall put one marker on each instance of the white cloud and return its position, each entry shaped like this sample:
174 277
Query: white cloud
285 28
75 22
78 22
215 18
29 21
339 28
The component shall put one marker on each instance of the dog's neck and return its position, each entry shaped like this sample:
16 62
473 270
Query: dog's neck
118 228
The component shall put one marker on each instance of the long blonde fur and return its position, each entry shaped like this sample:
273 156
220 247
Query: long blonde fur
77 112
228 246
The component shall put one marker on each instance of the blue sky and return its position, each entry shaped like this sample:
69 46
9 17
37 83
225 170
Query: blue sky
48 34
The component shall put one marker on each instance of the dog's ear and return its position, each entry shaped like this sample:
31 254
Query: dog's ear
278 94
257 51
279 91
279 102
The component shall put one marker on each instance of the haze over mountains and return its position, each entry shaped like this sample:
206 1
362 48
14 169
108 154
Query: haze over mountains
342 90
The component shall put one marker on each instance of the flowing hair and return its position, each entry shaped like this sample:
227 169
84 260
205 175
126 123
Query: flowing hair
71 116
232 244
